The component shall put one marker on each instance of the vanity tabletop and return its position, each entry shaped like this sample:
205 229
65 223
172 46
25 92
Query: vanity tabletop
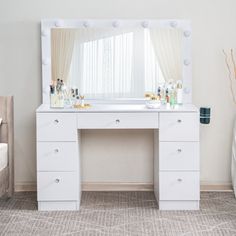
117 108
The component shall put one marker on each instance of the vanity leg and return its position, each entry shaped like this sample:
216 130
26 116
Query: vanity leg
79 170
156 164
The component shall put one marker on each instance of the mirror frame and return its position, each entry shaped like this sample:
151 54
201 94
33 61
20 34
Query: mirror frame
48 24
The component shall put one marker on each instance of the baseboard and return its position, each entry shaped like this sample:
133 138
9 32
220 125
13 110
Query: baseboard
216 187
25 187
121 186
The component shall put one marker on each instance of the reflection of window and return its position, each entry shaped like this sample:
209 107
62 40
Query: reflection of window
153 74
107 67
120 66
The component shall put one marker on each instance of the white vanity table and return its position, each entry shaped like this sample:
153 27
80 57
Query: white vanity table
176 131
176 151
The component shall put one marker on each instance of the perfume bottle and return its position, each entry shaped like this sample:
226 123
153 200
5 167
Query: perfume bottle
57 94
179 93
172 98
159 93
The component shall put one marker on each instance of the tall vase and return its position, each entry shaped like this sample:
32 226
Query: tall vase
233 161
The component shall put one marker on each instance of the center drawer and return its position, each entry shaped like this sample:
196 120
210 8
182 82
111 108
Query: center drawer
57 186
57 156
117 120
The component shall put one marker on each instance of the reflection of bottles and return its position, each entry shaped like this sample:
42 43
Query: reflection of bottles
179 92
163 99
159 93
172 98
81 101
77 101
167 96
167 99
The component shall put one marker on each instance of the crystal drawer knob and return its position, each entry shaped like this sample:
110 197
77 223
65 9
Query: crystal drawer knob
179 180
179 121
57 181
117 121
179 150
56 150
56 121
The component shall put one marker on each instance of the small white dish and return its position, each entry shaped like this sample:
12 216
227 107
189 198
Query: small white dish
153 104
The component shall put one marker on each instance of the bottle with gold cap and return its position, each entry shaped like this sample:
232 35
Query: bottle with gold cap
179 92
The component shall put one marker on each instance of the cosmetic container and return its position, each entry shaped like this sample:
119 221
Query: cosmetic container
179 93
205 115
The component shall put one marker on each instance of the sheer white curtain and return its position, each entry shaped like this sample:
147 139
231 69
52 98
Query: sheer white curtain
62 45
167 44
102 63
153 73
117 63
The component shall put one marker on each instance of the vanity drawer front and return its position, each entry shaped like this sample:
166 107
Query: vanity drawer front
57 156
117 120
56 127
179 185
57 186
179 156
179 127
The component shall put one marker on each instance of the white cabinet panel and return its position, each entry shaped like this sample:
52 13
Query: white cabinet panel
57 156
117 120
57 186
56 127
179 185
179 156
179 127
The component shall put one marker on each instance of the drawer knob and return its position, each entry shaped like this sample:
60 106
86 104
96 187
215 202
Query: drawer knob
57 181
117 121
179 121
179 150
179 180
56 121
56 150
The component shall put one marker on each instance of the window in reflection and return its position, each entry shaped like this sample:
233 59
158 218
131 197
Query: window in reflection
120 63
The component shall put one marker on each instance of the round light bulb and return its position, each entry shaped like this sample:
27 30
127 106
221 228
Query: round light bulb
115 24
44 32
187 33
59 23
173 24
186 62
86 24
145 24
46 61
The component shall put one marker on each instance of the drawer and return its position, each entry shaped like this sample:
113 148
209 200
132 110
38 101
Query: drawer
117 120
179 127
179 156
57 156
179 185
56 127
57 186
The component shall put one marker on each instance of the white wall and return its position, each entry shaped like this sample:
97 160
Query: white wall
213 23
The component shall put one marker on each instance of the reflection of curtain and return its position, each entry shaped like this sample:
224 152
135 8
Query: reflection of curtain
102 63
84 35
62 45
167 44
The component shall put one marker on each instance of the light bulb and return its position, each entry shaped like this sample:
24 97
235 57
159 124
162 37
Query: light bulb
145 24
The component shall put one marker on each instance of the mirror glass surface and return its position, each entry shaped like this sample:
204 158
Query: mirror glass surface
114 62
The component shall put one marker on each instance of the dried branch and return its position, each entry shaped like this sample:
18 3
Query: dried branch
230 75
233 62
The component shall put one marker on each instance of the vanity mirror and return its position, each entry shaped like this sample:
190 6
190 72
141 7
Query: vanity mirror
122 59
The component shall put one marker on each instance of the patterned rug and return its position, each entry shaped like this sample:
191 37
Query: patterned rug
119 213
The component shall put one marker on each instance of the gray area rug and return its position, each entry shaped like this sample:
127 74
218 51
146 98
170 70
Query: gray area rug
119 213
